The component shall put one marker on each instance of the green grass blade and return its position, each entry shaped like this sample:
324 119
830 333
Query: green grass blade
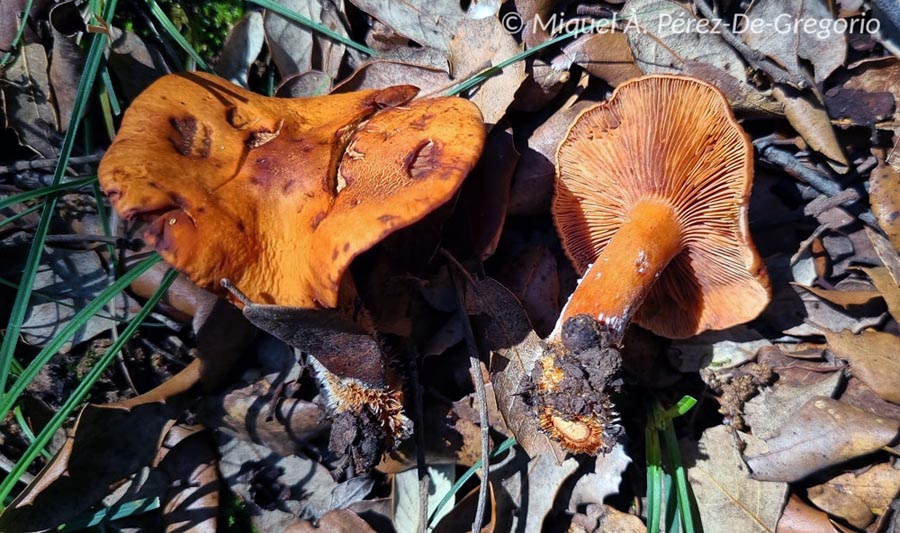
505 445
654 477
7 57
44 191
76 323
176 36
20 304
300 19
83 388
20 214
26 430
682 488
109 514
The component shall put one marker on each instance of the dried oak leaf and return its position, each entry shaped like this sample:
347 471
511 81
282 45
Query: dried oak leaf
798 517
884 197
824 432
873 359
857 497
279 195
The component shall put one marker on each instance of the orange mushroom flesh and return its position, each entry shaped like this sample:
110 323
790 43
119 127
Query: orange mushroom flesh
651 206
279 195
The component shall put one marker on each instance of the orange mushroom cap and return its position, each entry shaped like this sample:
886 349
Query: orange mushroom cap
664 164
279 195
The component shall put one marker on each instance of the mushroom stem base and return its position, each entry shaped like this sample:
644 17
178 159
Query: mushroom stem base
616 284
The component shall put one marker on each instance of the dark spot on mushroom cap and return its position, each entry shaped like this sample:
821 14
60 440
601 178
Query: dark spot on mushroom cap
423 160
316 220
387 219
193 138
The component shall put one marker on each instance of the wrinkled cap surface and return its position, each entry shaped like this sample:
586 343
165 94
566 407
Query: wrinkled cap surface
279 195
674 139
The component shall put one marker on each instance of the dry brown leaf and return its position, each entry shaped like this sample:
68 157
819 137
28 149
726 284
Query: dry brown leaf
858 394
256 413
801 518
534 16
541 85
604 481
875 80
296 48
873 357
532 277
109 444
823 433
25 87
241 48
857 498
844 299
823 47
478 44
532 186
430 24
811 121
192 503
884 197
336 521
65 281
659 46
727 498
771 408
605 55
275 489
387 72
304 85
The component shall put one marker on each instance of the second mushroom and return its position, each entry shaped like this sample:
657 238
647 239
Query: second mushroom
651 207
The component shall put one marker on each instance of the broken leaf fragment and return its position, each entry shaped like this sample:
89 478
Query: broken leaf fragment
279 195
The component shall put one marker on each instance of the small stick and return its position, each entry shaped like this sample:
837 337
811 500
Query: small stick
481 394
88 238
19 166
757 59
816 180
421 466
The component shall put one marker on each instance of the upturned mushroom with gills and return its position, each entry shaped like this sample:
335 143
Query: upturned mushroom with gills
279 195
651 205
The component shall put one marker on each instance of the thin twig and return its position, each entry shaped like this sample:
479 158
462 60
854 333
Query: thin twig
421 466
481 394
757 59
19 166
76 238
816 180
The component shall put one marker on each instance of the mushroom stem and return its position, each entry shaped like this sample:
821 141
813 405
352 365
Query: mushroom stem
616 284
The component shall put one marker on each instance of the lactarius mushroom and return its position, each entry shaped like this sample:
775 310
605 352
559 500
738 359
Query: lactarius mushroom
279 195
651 206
